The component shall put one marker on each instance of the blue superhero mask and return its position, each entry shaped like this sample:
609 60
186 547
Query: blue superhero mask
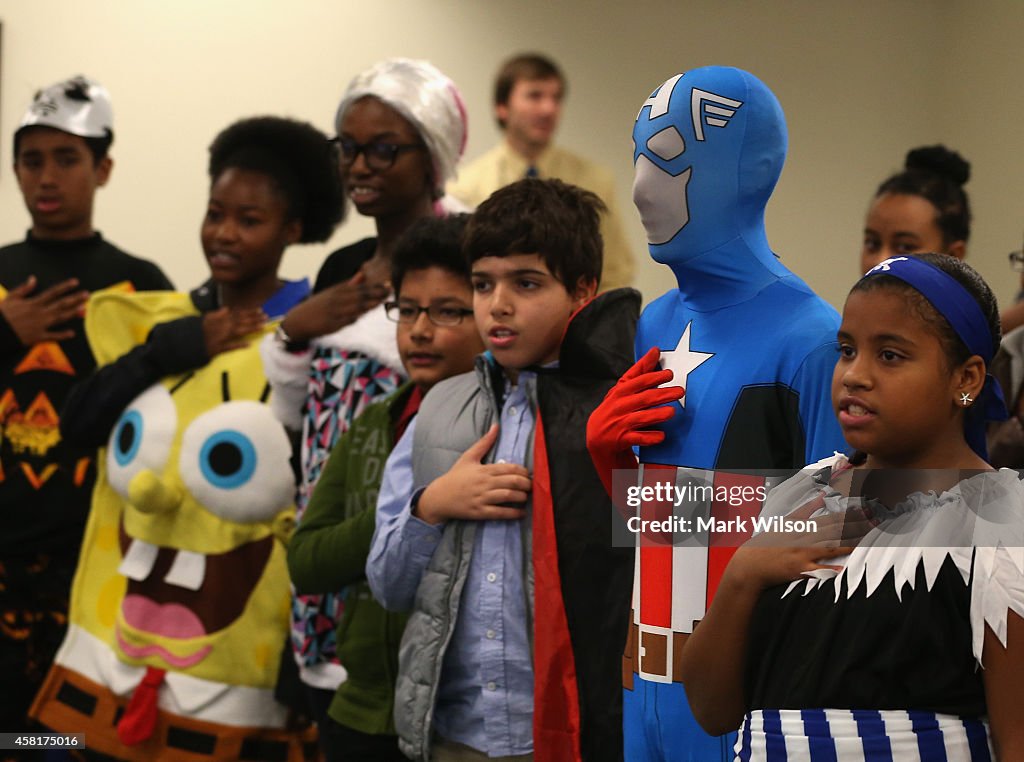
708 147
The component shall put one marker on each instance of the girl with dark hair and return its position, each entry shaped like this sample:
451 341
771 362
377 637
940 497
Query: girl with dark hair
892 628
179 604
273 183
924 208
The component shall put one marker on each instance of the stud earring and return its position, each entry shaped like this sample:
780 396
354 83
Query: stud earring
966 399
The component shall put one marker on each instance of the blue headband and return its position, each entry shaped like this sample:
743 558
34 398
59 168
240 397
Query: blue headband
948 297
955 303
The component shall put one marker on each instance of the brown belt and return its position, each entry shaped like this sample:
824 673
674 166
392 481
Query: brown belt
654 662
71 703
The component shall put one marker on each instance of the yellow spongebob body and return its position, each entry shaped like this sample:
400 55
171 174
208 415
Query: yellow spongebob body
182 567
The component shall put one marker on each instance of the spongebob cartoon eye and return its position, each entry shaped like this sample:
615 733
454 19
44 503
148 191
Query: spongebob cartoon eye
141 438
227 459
235 462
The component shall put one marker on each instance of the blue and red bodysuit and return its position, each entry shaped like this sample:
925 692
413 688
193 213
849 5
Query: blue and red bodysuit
750 342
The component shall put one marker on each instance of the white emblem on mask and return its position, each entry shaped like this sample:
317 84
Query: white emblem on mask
659 102
703 111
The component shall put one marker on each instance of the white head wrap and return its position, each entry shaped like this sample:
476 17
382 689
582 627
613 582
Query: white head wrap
427 98
78 105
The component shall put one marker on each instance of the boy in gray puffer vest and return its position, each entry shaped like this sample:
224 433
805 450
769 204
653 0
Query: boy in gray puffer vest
503 553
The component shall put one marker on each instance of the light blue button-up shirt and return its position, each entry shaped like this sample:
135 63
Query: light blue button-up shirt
485 699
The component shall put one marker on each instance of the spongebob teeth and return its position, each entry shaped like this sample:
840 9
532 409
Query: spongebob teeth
138 561
188 570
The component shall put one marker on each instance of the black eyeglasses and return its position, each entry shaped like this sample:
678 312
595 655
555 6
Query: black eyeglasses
1017 261
438 314
379 155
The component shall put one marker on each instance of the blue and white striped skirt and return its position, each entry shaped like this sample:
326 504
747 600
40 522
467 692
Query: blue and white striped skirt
838 735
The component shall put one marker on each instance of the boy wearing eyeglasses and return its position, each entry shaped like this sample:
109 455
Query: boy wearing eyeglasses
437 338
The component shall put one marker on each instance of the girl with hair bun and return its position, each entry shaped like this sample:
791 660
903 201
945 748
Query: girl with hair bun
924 208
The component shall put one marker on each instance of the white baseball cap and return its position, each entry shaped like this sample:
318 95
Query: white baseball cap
78 106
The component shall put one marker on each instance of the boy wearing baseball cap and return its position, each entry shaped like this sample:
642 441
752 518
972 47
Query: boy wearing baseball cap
60 159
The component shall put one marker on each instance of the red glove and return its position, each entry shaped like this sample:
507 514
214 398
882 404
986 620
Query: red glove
624 415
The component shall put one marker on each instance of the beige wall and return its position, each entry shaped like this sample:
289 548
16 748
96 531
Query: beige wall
860 83
981 109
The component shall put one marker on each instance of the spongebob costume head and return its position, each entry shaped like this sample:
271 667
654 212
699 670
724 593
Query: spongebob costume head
182 589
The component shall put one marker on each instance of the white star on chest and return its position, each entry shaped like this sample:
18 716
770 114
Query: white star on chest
682 361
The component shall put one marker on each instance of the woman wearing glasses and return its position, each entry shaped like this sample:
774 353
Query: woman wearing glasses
401 129
924 208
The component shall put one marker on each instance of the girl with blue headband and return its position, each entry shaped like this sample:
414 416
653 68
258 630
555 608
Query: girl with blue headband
880 617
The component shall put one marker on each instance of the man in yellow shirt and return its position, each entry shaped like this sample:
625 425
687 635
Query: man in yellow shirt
528 95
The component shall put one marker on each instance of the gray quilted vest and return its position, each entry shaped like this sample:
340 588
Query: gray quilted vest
453 416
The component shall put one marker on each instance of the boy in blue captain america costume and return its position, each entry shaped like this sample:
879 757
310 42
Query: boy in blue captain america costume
749 342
